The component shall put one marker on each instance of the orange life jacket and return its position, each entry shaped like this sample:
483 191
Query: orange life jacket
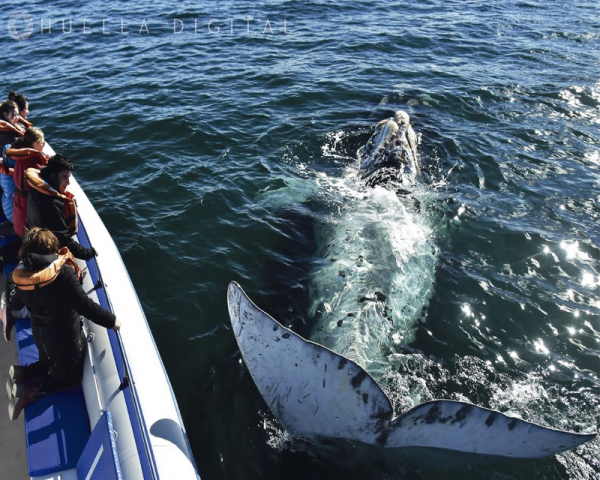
31 279
25 154
9 127
34 180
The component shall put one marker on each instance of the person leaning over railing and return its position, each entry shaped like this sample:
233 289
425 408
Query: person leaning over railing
23 106
13 124
51 206
25 153
10 128
47 282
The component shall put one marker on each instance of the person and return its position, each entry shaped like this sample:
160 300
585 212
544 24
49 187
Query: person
51 206
47 282
10 129
23 107
25 154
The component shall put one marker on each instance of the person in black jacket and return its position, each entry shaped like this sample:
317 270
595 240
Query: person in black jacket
47 209
46 281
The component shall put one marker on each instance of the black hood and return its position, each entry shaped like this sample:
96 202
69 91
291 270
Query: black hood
35 261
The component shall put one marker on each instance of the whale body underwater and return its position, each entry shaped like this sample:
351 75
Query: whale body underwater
316 393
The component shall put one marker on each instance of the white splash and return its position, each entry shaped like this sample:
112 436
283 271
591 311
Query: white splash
376 269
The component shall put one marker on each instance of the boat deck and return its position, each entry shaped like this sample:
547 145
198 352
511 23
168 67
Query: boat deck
13 456
152 437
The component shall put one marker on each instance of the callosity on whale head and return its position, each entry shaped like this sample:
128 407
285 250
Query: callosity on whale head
390 155
316 393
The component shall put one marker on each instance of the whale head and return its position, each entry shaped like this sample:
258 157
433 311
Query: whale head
390 155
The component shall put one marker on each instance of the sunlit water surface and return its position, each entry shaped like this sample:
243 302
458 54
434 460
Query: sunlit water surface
225 156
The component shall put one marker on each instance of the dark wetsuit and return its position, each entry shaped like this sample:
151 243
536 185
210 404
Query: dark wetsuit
55 311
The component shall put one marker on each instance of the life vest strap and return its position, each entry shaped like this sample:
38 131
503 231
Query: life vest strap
9 127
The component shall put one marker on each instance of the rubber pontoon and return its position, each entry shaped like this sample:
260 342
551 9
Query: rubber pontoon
124 421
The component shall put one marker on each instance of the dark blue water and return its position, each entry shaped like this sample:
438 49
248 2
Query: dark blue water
215 156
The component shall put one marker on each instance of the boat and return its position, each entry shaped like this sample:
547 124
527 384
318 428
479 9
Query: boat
124 421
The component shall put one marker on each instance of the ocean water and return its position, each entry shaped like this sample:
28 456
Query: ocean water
229 152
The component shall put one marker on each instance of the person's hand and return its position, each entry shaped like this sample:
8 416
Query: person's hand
117 326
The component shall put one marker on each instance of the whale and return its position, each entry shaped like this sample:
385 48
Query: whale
376 259
372 284
390 155
317 394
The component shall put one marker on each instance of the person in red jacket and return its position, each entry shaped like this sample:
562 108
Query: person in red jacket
27 154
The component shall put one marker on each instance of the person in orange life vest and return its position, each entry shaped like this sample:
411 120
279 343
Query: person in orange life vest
47 282
23 106
27 151
28 154
51 206
10 129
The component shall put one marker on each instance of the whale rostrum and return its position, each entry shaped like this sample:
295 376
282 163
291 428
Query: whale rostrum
390 155
315 393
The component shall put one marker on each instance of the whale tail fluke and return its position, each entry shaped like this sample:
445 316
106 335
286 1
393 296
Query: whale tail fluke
312 391
465 427
316 393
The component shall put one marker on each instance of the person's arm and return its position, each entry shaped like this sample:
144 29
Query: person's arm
74 247
54 220
84 305
13 302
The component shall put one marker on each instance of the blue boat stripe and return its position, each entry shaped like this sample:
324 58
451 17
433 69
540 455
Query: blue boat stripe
128 393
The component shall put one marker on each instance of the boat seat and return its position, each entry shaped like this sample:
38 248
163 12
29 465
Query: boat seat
57 427
99 460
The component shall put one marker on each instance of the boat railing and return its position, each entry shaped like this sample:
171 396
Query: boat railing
127 382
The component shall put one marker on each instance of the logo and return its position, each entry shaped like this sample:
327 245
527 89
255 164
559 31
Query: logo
20 26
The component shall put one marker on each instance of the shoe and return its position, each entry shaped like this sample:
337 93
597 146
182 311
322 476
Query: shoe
9 388
17 390
15 407
16 373
13 389
29 395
